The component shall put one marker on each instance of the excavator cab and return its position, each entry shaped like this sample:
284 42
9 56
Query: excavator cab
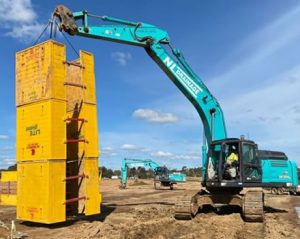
161 172
233 163
161 178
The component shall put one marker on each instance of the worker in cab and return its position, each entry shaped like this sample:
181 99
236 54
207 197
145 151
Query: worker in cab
231 167
232 157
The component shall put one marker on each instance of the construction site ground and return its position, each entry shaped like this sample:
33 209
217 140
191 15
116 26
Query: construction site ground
140 211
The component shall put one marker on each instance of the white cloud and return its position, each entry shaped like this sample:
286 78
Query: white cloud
155 116
129 147
162 154
9 160
121 57
172 156
26 32
107 152
17 11
195 156
3 136
18 18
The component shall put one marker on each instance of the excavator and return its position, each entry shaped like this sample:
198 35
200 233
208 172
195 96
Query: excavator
240 183
162 177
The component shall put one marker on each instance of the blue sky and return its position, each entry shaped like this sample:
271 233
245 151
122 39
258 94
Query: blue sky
246 52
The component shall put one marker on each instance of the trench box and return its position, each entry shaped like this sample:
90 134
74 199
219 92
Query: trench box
57 134
8 188
41 130
41 191
41 73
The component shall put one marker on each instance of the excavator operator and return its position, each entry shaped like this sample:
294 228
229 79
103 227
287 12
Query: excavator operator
231 167
232 157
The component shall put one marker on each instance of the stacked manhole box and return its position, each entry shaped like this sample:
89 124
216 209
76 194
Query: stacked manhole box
57 135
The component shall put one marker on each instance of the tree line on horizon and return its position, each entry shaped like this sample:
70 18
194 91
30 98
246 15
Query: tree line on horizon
137 172
142 173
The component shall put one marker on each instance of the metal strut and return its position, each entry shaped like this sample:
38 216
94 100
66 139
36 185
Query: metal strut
76 119
75 177
75 141
71 200
75 84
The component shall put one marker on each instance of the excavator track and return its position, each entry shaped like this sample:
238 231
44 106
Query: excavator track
186 207
253 206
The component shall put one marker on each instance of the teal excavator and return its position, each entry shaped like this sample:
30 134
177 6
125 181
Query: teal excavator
162 176
239 184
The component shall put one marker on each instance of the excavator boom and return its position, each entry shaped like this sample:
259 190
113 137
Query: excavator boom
153 40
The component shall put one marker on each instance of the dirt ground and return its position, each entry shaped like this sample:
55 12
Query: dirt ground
142 212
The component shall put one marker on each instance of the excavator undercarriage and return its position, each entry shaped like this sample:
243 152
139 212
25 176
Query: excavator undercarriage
251 202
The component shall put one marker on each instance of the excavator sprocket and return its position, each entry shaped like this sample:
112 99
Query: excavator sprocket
253 206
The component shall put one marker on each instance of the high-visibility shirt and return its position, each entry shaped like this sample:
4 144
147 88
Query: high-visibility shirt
231 158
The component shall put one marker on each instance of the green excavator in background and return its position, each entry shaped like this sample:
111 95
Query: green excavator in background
162 176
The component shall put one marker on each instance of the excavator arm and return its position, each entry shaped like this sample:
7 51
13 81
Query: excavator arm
153 40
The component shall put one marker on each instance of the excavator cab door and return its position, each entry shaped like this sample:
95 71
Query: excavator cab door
251 164
213 158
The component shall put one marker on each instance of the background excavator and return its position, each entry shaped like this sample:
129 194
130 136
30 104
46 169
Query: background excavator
162 176
221 184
